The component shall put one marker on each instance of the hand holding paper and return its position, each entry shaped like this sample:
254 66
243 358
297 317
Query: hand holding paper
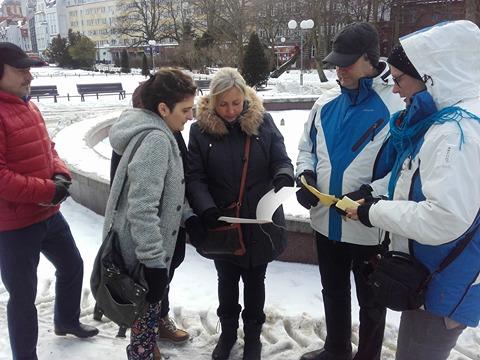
346 203
267 205
325 199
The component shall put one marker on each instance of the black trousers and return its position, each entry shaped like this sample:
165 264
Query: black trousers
253 291
336 260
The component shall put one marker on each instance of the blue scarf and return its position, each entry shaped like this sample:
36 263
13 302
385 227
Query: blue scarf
408 127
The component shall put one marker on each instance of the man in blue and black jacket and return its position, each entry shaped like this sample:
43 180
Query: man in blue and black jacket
342 147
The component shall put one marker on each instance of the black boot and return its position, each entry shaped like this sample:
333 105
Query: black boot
227 339
323 354
253 346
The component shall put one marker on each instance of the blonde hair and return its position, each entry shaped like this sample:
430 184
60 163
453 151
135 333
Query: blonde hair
225 79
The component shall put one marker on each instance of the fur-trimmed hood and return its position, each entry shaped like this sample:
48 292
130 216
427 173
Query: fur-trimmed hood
250 120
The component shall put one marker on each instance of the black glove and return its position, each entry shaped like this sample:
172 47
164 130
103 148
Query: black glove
304 196
157 280
280 181
210 218
65 180
61 193
364 192
195 230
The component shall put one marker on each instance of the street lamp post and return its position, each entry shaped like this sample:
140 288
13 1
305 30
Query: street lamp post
282 40
152 43
304 25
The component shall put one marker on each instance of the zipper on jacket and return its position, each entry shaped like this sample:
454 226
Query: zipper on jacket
371 131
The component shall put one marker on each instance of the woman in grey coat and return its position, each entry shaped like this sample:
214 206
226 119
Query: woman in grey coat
151 206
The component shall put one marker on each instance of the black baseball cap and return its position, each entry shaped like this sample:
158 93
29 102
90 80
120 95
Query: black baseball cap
13 55
353 41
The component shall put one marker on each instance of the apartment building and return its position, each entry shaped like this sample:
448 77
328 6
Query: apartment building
96 19
50 21
13 26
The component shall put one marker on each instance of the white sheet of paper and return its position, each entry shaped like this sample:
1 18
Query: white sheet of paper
234 220
266 207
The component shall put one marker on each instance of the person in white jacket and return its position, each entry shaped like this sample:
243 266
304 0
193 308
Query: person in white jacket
434 189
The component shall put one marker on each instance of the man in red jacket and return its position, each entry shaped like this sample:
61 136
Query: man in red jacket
33 183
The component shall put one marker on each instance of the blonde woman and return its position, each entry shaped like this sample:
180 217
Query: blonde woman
225 118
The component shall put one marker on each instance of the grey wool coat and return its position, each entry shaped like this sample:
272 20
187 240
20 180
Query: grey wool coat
151 205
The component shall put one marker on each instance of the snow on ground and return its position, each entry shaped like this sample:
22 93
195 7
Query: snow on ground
295 321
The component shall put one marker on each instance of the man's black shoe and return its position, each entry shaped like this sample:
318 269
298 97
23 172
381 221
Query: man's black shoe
80 330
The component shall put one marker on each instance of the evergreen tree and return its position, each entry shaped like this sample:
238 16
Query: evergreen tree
73 37
145 70
255 63
83 51
124 62
57 51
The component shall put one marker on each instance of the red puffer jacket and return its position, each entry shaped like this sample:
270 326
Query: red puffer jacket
28 162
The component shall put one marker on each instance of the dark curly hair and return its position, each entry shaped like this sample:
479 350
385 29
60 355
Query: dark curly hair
168 85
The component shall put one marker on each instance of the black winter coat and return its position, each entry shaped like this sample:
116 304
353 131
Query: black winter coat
215 164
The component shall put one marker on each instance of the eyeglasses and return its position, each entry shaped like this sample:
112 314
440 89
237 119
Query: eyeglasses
396 80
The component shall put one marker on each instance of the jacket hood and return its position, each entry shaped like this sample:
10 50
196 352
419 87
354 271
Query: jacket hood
446 55
250 120
130 123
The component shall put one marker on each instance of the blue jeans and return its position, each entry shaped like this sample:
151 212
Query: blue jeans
19 256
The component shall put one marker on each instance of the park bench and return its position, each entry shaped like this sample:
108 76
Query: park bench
95 89
202 84
44 91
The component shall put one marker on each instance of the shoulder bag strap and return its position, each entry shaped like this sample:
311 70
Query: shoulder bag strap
134 150
457 250
246 157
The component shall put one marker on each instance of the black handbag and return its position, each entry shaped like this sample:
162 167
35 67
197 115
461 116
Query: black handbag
399 281
228 239
224 240
120 294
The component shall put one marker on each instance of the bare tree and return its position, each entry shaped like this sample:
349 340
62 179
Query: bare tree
206 11
234 23
329 17
227 22
272 17
182 16
143 20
